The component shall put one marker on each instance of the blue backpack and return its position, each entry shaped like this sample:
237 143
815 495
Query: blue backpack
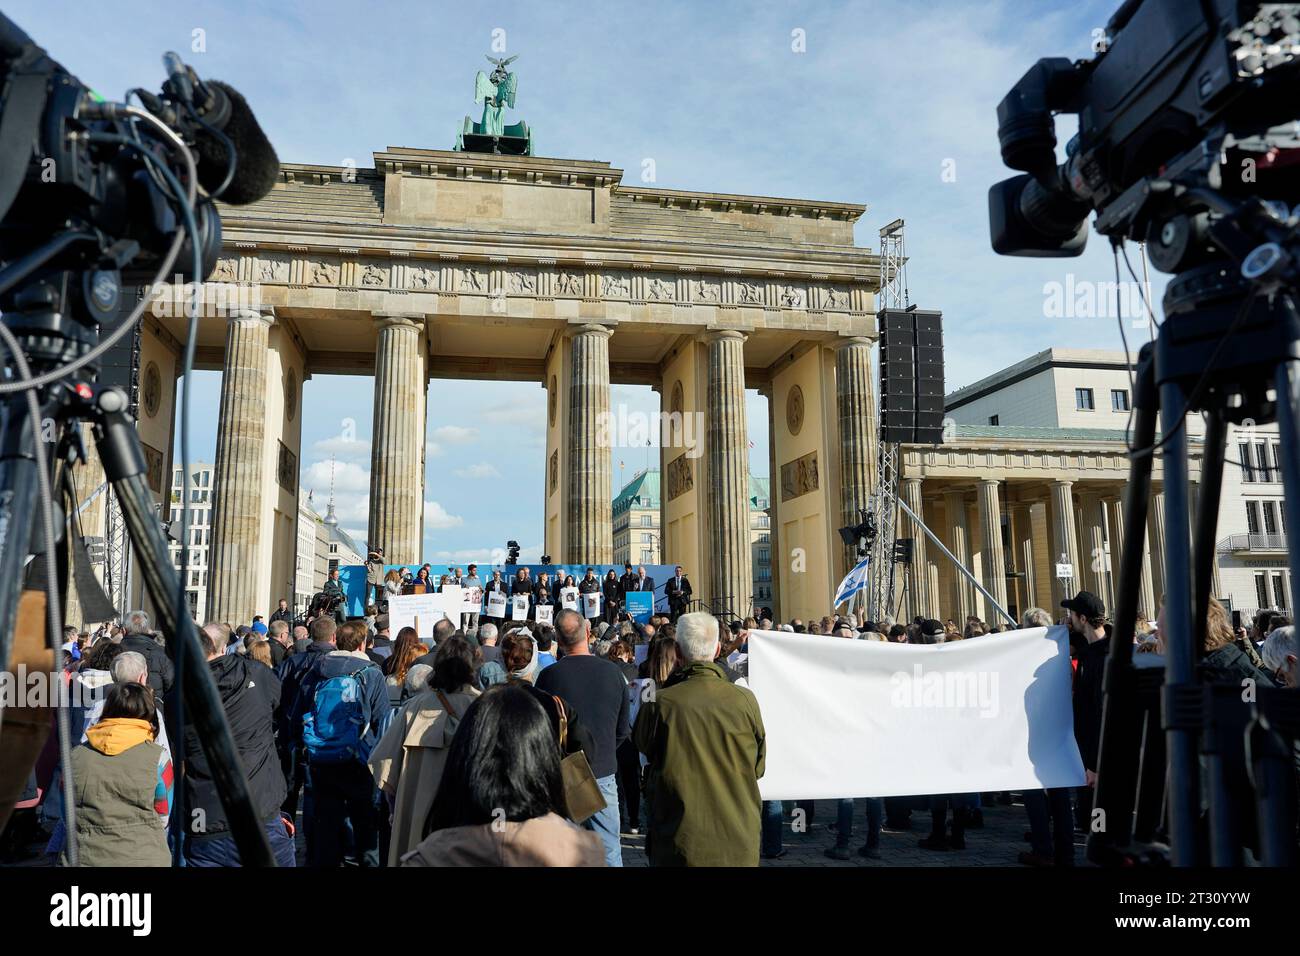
333 731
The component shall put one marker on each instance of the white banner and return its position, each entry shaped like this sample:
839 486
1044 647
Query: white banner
851 718
496 605
519 607
406 610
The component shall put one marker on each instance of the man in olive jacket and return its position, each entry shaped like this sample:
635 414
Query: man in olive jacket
705 741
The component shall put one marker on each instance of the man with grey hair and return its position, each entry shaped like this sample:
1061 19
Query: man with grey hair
706 744
139 637
1035 617
1279 653
487 639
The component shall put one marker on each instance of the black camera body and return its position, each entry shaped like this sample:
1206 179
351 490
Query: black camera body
1177 87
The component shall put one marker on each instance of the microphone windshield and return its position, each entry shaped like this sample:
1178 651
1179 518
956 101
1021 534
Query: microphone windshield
257 167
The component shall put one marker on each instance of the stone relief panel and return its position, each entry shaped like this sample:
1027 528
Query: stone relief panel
749 293
323 273
568 284
522 282
615 287
470 279
706 290
273 267
372 275
834 299
660 289
422 278
227 270
799 477
680 479
792 297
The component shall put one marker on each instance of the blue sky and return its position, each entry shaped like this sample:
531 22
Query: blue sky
891 104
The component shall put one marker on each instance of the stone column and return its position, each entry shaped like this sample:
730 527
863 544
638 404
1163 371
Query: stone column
397 441
954 503
1022 534
1156 538
919 584
1064 540
994 563
237 478
1095 567
728 465
855 409
1115 515
591 525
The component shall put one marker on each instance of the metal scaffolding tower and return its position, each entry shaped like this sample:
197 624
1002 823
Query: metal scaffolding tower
884 500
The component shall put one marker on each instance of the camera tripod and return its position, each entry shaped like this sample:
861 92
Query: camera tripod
1231 331
53 324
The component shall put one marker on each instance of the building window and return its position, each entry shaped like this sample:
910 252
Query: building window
1261 590
1279 591
1119 399
1252 519
1083 399
645 521
1270 517
764 521
647 557
765 537
1247 470
993 419
1262 459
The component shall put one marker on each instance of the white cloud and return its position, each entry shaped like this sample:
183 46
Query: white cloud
479 471
348 477
436 516
432 449
343 449
455 434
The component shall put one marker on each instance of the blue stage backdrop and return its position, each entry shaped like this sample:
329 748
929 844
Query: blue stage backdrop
353 577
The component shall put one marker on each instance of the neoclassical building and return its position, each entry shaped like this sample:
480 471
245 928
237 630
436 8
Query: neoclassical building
448 264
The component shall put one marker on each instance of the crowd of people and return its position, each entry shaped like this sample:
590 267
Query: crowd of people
517 743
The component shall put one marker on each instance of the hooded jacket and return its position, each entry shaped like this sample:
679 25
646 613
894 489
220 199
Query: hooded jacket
122 783
250 693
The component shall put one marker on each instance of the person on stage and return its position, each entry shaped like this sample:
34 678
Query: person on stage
678 590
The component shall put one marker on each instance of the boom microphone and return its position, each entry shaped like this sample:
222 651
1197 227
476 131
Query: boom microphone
257 166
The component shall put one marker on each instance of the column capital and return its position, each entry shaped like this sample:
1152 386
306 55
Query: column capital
399 320
985 482
852 341
1063 483
719 335
591 328
264 315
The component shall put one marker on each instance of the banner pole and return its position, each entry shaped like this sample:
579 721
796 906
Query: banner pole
960 567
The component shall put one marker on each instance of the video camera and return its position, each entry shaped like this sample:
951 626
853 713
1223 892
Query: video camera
93 208
1180 94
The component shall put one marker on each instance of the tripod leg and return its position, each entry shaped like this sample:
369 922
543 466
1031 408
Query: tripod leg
1182 723
1207 512
124 466
1288 425
1119 752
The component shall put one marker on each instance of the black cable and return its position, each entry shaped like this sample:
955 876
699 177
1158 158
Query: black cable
187 368
233 156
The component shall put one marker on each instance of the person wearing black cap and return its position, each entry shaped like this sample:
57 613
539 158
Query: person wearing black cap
1086 618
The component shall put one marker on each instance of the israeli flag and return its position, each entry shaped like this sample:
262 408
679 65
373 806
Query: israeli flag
853 582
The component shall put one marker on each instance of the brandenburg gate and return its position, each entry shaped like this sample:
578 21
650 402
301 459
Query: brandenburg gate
451 264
